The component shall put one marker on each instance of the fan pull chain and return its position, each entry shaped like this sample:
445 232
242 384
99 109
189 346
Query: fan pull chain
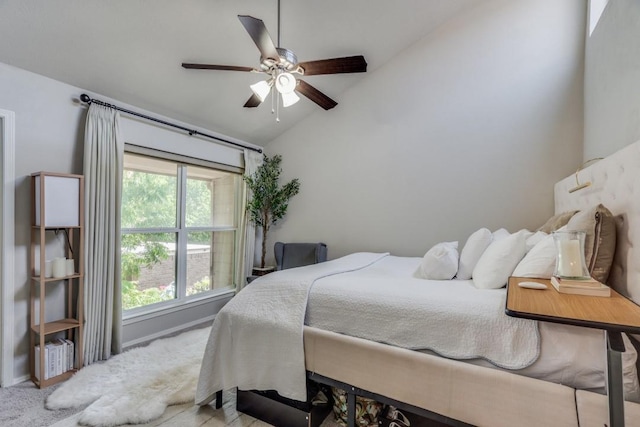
278 107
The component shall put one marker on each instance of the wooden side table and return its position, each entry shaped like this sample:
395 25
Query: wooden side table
614 315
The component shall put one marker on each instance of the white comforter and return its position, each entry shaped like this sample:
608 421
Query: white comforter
452 318
256 341
385 303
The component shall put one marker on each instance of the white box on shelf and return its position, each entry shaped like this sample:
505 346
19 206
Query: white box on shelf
61 201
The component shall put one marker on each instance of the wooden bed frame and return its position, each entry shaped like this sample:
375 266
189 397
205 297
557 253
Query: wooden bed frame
459 393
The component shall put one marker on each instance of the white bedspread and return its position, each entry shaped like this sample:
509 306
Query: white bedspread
256 340
452 318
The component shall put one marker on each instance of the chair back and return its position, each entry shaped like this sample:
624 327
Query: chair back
290 255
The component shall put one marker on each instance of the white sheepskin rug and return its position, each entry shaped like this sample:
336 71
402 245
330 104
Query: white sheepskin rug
136 386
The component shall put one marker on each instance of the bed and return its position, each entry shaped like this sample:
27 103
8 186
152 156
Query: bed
290 324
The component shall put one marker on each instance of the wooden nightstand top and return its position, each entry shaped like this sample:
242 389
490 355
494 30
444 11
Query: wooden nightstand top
614 313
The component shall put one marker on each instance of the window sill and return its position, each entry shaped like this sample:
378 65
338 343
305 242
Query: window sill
160 309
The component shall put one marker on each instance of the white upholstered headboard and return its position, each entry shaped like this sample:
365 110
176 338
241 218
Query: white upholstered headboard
615 182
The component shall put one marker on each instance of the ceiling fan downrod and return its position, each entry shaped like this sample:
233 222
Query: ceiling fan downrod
278 35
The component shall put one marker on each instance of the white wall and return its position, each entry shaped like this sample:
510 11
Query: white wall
469 127
49 134
612 80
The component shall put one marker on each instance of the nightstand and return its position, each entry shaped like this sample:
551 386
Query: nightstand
614 315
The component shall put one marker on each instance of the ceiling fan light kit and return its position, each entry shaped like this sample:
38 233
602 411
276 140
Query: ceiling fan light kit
261 89
289 99
285 83
280 65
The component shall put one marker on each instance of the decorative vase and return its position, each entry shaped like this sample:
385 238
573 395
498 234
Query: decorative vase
261 271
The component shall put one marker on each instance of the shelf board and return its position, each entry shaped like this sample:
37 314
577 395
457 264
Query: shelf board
55 279
57 326
54 227
53 380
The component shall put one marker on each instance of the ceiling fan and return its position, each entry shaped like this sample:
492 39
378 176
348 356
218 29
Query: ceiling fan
281 66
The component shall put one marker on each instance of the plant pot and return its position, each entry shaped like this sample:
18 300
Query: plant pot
261 271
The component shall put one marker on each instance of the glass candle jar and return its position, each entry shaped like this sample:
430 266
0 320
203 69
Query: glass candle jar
570 261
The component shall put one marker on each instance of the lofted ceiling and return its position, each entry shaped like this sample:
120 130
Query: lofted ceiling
132 50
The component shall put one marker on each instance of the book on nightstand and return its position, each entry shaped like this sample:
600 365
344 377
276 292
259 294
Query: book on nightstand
581 287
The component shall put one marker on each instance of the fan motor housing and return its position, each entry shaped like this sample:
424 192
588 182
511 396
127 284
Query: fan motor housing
287 61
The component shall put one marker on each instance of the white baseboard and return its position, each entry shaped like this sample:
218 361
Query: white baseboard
21 379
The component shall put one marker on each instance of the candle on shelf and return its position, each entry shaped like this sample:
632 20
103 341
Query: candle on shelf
70 267
59 268
48 270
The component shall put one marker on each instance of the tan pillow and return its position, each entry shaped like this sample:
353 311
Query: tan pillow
600 242
556 222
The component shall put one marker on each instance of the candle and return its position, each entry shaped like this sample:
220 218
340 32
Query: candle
48 272
570 260
59 268
70 268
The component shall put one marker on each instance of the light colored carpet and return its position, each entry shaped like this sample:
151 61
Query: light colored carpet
22 405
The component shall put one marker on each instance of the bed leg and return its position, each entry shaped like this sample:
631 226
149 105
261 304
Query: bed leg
218 399
351 409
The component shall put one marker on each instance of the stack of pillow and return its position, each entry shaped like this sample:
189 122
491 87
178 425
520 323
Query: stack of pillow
490 258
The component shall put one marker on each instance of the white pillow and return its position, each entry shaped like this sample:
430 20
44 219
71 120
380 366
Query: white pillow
540 261
476 244
534 239
500 234
499 260
440 262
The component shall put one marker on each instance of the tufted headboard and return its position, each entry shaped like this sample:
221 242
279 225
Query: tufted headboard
615 182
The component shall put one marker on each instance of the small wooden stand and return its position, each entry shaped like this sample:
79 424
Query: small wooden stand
71 325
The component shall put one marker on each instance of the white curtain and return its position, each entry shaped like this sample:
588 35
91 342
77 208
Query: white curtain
103 156
252 160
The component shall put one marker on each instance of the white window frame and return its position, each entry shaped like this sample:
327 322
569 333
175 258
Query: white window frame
182 300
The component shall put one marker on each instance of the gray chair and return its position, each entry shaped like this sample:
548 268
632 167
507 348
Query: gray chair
289 255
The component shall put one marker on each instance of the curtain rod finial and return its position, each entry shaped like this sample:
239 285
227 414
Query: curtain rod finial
85 98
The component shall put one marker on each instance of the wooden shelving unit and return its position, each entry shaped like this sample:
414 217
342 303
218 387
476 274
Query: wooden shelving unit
50 198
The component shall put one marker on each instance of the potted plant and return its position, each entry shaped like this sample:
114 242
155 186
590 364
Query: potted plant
269 201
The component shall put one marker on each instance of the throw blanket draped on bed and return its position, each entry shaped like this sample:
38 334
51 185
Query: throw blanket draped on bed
256 340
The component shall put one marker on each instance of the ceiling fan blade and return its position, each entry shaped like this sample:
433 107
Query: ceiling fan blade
216 67
315 95
252 102
348 64
258 32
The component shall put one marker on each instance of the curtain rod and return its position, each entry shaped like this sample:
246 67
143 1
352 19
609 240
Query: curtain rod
87 99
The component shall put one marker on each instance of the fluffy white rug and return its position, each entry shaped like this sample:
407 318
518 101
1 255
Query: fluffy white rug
136 386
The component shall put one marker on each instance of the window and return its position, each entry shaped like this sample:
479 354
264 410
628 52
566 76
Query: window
179 231
596 9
